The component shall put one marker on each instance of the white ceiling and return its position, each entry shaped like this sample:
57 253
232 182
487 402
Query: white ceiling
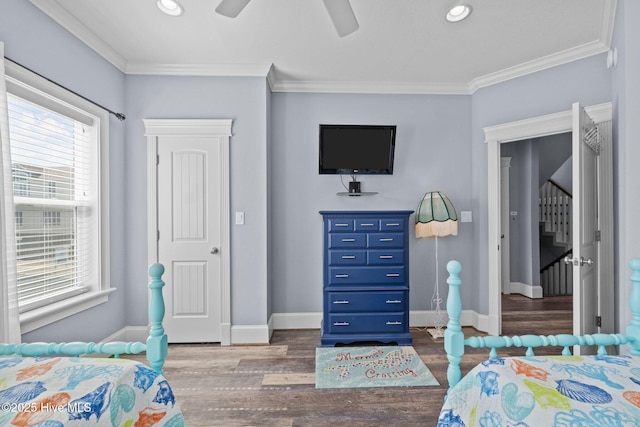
402 46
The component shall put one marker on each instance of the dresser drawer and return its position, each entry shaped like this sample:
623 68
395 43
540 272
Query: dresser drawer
393 224
385 240
385 256
367 225
366 275
339 224
361 302
347 240
366 323
349 257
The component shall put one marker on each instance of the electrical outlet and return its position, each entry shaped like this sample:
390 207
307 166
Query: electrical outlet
466 216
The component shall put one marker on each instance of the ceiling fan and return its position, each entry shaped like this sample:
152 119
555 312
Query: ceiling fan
340 12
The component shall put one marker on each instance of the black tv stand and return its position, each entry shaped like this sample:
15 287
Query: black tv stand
354 187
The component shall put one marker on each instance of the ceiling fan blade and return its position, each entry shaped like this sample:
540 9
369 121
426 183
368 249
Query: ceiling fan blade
231 8
342 16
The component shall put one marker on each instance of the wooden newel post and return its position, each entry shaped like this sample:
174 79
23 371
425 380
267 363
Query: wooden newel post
453 336
633 330
157 340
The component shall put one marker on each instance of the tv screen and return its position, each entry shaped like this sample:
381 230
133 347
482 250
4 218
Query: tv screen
357 149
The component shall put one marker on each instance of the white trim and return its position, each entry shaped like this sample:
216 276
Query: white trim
221 128
540 64
250 334
296 320
371 87
208 70
34 319
530 291
494 136
129 334
417 318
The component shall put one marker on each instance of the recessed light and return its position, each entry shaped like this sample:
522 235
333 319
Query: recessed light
170 7
458 13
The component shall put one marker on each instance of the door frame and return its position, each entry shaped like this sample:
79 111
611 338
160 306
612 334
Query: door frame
155 128
535 127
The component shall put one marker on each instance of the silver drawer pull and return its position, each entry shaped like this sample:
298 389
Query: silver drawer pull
393 274
348 240
341 225
387 239
348 257
340 323
341 302
367 225
341 276
393 224
386 256
394 301
391 323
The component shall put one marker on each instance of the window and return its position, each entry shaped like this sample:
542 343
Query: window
59 159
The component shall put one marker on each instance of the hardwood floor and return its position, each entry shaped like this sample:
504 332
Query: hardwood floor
274 385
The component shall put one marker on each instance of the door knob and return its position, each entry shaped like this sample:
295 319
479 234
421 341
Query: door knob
214 250
578 261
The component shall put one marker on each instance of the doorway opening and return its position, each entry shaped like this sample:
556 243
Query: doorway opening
538 127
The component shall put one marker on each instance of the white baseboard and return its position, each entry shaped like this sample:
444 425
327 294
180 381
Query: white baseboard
261 334
526 290
417 318
250 334
129 334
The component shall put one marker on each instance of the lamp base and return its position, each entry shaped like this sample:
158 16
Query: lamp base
436 333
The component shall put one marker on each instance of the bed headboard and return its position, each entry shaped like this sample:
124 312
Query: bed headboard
455 341
155 347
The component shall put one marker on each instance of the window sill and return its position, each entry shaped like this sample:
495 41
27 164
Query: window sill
37 318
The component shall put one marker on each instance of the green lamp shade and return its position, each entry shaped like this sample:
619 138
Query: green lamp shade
436 216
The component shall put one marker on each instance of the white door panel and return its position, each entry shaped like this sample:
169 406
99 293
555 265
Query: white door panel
189 224
585 225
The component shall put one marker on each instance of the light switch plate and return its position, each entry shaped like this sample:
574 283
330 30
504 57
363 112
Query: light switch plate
466 216
239 218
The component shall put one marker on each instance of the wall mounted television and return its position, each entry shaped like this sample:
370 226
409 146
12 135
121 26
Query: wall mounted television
357 149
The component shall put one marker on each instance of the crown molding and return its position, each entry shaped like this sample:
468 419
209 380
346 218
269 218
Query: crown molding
206 70
539 64
59 14
371 87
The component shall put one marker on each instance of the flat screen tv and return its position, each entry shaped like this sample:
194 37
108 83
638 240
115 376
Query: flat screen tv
357 149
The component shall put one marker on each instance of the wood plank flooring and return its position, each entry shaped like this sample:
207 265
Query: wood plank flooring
274 385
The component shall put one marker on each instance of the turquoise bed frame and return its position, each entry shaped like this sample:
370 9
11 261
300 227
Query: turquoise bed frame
455 341
155 347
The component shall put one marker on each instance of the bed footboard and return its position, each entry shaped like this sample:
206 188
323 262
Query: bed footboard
155 347
454 340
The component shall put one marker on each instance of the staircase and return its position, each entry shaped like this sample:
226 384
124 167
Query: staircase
555 221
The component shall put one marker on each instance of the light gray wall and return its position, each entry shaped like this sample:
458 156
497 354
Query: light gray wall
59 56
244 100
432 153
441 146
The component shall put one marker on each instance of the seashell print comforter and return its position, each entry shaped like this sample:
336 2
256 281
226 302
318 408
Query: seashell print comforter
547 391
78 391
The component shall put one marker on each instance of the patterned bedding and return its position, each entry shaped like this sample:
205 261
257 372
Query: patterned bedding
576 391
78 391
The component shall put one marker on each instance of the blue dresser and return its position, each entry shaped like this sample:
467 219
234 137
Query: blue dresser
366 277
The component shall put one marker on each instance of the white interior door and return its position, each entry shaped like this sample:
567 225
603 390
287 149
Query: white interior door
505 164
585 222
189 206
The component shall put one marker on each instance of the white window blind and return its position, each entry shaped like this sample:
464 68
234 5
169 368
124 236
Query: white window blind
54 166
